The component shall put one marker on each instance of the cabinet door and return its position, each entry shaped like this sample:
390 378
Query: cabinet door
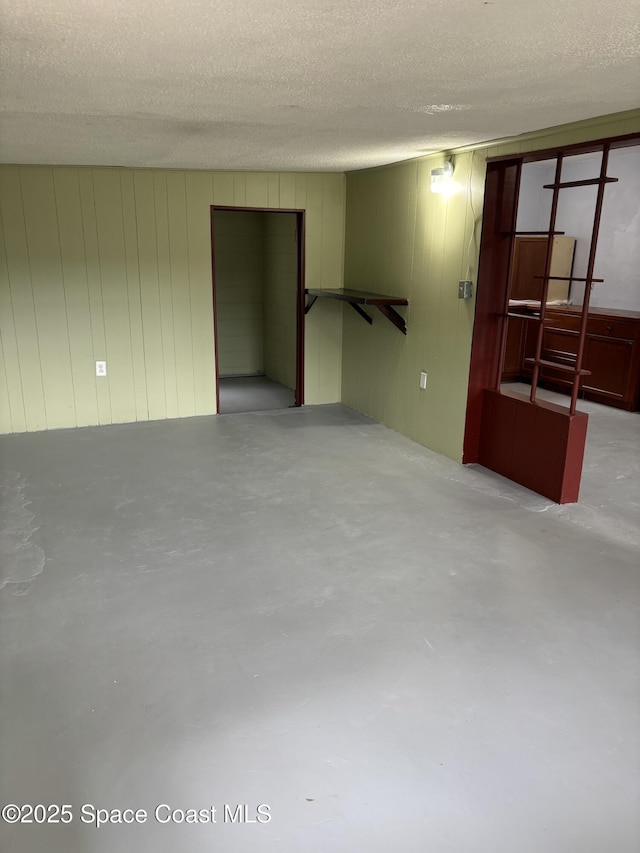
529 256
513 355
609 360
560 345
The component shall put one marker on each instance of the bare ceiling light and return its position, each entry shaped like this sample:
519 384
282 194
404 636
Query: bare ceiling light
441 178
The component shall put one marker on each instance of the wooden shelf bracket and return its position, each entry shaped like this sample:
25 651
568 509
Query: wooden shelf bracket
357 298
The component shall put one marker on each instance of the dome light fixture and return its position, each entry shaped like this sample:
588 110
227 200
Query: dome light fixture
441 178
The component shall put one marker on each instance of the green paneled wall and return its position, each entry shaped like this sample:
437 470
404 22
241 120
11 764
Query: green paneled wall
239 261
402 239
115 264
280 282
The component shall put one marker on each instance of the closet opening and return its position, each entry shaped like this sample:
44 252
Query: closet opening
258 308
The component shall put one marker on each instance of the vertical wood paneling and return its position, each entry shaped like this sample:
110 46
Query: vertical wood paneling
115 294
301 191
309 195
257 190
239 189
332 230
149 292
199 197
6 424
223 188
401 237
166 295
94 285
43 246
12 417
74 276
180 287
273 191
314 324
117 266
280 281
332 252
474 175
122 262
240 292
19 278
133 294
288 191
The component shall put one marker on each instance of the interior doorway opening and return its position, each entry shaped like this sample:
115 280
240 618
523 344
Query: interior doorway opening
258 304
612 374
551 313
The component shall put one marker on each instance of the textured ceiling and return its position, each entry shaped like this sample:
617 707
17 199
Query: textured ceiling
301 84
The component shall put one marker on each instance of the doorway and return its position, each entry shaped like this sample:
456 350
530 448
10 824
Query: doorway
548 334
258 305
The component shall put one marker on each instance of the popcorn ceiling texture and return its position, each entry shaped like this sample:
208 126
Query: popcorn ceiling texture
301 84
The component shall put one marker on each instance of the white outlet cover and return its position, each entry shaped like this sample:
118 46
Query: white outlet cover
423 380
101 368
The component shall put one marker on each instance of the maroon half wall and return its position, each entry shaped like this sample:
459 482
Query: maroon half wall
539 445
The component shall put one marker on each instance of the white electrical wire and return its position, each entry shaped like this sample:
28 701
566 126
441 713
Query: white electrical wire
473 217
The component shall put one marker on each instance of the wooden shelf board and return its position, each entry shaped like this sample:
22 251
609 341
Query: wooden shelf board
589 183
568 278
357 297
565 368
523 316
533 233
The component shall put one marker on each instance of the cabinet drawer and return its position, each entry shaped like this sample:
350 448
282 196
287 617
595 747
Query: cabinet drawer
613 327
610 327
571 322
557 343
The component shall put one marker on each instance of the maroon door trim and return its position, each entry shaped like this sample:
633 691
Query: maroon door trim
215 309
300 312
531 442
496 243
627 140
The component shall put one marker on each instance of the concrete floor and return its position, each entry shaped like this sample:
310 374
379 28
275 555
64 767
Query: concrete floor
253 394
306 610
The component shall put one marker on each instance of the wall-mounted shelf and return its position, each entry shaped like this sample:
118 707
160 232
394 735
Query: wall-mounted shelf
356 298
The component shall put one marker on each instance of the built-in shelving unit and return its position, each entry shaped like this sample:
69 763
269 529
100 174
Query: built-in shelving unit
537 318
611 362
357 298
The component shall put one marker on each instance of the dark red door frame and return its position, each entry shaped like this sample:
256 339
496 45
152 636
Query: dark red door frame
535 443
300 295
300 308
496 245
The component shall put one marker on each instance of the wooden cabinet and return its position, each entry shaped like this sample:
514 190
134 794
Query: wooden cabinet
529 256
527 271
612 353
513 365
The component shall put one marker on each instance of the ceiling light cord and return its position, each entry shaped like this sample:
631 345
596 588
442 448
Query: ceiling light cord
473 219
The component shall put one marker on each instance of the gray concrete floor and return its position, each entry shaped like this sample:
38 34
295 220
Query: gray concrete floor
305 610
253 394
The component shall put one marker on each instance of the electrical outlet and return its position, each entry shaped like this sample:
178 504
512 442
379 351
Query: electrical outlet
101 368
464 289
423 380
